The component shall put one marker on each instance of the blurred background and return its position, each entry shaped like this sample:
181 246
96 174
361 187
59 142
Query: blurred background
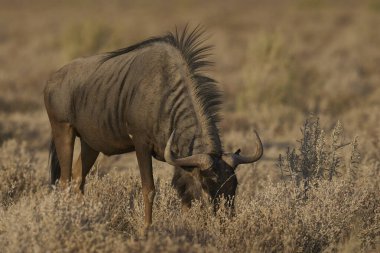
277 61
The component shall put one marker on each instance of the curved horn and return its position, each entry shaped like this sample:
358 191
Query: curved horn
240 159
202 161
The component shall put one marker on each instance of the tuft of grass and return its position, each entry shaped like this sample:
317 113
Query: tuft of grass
18 174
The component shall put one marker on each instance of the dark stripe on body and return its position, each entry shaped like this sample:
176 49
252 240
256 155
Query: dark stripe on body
112 83
121 105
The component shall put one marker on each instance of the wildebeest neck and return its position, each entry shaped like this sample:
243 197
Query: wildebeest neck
196 132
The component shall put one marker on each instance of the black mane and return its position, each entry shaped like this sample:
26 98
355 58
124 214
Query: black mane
136 46
196 53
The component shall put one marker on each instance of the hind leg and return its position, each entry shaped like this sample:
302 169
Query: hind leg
83 165
63 137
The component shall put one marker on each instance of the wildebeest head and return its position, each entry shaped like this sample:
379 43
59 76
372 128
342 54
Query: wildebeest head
218 176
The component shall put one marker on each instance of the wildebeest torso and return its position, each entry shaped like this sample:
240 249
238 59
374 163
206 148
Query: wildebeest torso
141 94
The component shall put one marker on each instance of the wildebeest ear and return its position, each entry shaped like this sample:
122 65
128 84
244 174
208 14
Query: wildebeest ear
237 151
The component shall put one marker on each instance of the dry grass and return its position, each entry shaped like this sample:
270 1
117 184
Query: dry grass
277 61
336 214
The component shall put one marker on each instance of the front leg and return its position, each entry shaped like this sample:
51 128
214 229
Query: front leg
144 159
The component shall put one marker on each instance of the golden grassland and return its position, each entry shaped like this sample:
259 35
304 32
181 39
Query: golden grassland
278 62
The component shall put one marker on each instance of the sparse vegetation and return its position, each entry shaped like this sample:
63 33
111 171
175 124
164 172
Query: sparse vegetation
319 158
277 61
338 214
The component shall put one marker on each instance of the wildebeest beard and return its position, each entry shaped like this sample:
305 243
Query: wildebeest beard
188 185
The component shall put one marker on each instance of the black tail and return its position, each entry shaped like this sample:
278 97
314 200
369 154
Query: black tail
55 169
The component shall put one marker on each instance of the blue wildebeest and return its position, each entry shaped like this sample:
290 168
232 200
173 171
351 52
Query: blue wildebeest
150 98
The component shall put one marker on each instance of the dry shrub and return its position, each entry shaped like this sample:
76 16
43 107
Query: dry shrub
335 212
107 219
320 157
19 175
57 222
120 196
